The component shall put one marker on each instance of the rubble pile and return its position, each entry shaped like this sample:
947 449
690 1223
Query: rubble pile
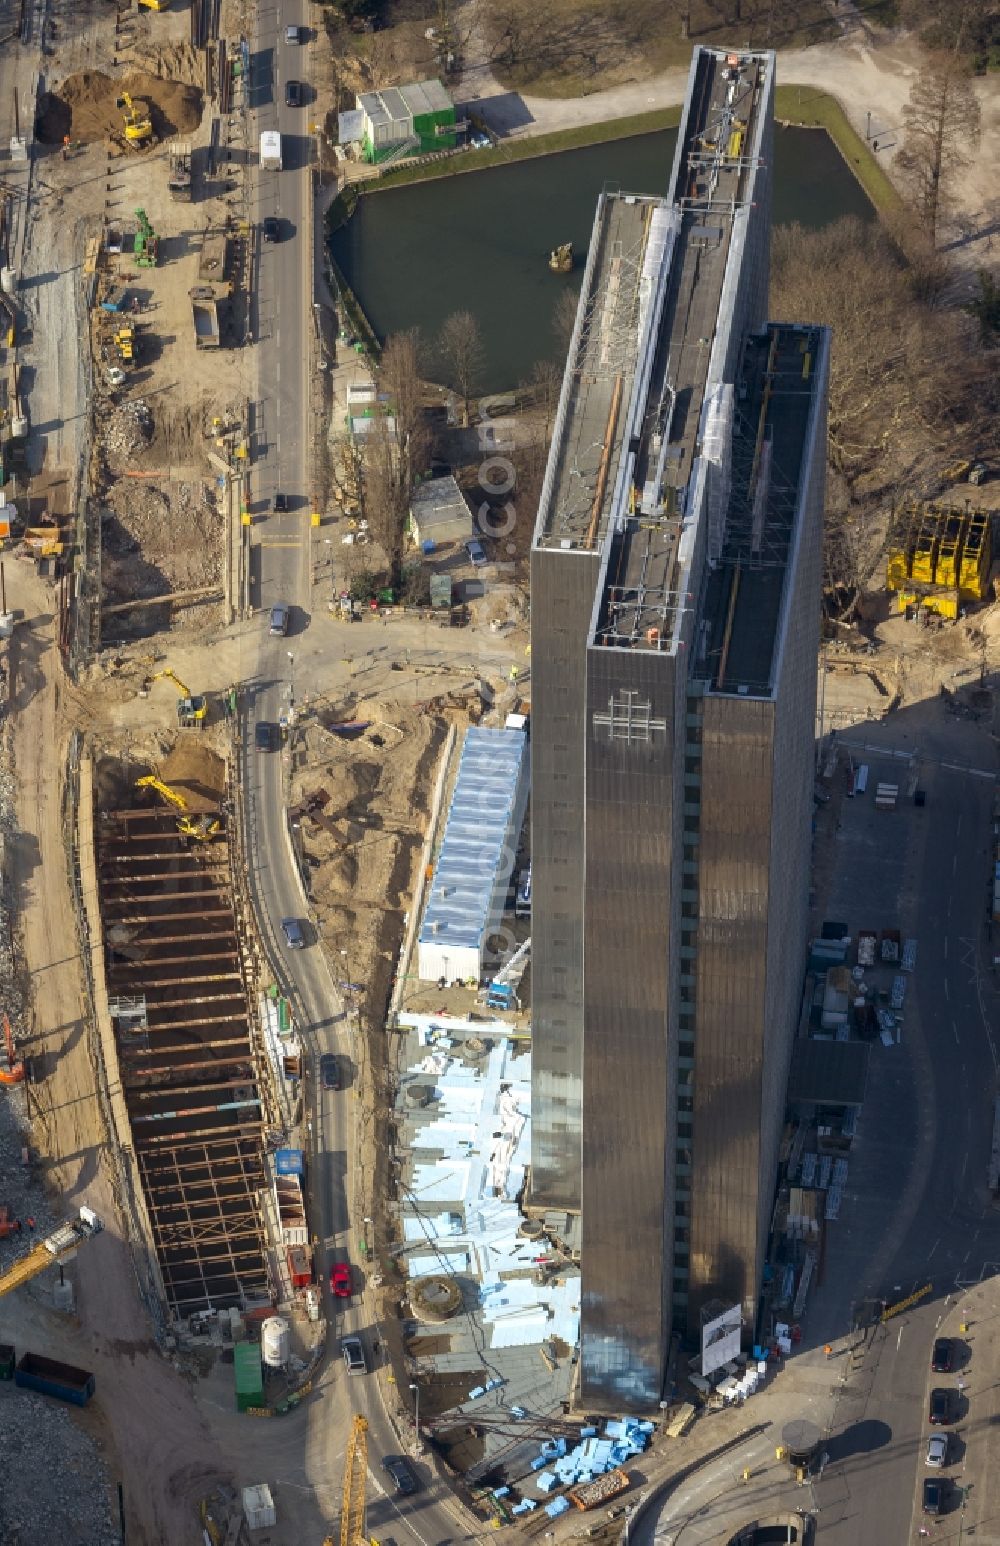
129 429
55 1485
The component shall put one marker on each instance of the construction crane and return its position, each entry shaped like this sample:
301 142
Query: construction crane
193 707
352 1504
201 828
54 1248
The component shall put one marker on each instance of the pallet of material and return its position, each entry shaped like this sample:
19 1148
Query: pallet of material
592 1494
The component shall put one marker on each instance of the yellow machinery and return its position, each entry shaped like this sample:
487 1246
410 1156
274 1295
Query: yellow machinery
957 471
124 341
138 124
193 707
352 1506
54 1248
737 135
939 557
202 828
156 5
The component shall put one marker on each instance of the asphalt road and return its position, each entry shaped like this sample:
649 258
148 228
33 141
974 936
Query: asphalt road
280 573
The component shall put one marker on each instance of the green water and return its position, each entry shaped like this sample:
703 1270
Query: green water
478 242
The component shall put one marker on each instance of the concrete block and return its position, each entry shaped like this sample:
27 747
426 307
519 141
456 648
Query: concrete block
556 1507
545 1481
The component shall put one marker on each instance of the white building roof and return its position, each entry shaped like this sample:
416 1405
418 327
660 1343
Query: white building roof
439 503
486 792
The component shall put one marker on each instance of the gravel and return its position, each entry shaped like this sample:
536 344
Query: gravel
54 1486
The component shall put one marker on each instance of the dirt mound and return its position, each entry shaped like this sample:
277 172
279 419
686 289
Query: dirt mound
84 107
197 771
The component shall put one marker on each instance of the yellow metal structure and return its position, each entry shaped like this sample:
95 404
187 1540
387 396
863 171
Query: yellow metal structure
54 1248
193 707
202 828
938 557
155 5
736 137
352 1507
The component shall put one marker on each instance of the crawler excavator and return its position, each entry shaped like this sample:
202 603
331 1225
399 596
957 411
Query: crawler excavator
201 827
192 708
55 1248
15 1071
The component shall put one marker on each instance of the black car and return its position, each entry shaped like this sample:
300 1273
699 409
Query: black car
940 1406
265 736
935 1491
402 1473
329 1071
293 93
943 1356
280 503
292 930
271 229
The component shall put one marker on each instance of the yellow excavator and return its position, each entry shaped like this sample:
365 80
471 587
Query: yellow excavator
202 827
352 1504
138 124
192 709
55 1248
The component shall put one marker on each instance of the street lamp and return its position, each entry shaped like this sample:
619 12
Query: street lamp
291 681
416 1411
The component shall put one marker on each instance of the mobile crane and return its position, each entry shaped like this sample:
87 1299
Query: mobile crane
352 1504
55 1248
192 709
201 828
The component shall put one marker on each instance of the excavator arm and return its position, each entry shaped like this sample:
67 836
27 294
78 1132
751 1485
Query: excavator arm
152 782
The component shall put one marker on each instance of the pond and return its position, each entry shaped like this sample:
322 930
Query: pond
479 241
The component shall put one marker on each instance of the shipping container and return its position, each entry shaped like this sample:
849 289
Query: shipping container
290 1162
62 1380
249 1373
300 1266
258 1507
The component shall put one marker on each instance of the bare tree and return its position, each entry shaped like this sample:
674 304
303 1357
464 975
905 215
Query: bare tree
461 348
544 385
387 493
941 122
564 315
400 380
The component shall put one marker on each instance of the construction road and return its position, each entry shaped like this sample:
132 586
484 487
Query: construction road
280 572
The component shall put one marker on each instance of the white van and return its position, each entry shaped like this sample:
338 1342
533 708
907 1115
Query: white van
270 151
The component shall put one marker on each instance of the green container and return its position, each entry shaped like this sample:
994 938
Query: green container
249 1376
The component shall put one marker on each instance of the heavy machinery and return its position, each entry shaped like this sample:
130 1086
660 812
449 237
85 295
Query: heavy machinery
502 991
192 710
352 1506
9 1225
15 1070
146 243
201 827
124 342
62 1243
179 175
156 5
137 123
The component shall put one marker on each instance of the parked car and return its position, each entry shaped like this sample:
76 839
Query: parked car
476 552
402 1473
941 1410
340 1280
294 937
329 1071
280 503
293 93
937 1450
271 229
293 34
265 736
280 616
935 1491
943 1356
353 1350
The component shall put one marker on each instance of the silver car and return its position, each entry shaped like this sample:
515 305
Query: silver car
937 1450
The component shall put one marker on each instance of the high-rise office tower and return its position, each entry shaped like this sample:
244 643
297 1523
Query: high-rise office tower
675 616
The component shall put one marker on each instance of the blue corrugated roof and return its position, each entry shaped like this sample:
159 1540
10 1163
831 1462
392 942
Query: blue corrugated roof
481 806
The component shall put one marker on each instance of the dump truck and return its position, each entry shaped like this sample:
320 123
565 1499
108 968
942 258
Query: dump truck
63 1380
179 176
205 315
270 151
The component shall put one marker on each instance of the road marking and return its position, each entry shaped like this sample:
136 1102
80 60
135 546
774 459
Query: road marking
954 1031
946 993
946 947
954 863
279 542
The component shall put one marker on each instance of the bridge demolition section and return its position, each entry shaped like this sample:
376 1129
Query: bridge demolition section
172 989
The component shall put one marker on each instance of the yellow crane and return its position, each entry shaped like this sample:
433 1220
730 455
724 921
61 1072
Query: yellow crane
54 1248
352 1503
202 828
192 708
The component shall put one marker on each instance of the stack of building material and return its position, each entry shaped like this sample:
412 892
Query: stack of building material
559 1465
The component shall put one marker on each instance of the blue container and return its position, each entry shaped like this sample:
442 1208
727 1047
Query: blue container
290 1162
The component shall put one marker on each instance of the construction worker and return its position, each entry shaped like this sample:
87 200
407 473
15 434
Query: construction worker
828 1350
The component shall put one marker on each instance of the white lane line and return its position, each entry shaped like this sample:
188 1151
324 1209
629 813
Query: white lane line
954 1031
946 947
946 993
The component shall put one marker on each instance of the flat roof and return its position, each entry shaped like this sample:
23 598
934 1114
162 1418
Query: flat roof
744 593
426 97
439 502
828 1073
492 766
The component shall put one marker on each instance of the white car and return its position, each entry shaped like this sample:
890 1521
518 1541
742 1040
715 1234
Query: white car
937 1450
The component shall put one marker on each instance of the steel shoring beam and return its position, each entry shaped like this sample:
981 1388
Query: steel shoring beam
236 1274
155 1141
215 912
197 1259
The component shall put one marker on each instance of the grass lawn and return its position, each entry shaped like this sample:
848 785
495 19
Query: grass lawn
815 109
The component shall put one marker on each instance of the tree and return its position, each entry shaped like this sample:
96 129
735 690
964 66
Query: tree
400 378
941 123
564 315
543 387
387 493
461 348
